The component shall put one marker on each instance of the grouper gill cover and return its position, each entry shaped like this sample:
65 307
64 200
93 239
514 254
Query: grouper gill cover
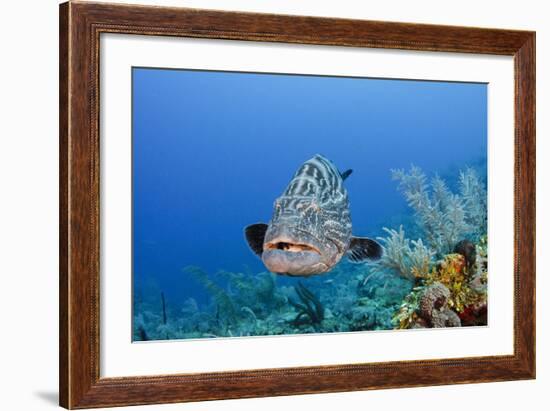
268 204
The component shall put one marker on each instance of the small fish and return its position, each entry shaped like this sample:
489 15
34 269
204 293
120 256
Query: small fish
310 230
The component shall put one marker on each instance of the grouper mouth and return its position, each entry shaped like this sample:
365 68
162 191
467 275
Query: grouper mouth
291 247
292 258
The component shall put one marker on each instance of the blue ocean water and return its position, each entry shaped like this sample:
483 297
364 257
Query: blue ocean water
212 150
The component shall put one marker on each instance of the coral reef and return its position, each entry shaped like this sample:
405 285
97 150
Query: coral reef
453 290
454 293
444 217
434 308
226 313
452 271
409 262
434 277
309 309
354 298
469 251
164 318
474 198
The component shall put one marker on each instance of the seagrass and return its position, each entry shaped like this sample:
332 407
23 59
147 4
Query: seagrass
81 24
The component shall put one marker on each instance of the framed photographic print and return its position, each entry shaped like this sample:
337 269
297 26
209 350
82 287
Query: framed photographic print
249 201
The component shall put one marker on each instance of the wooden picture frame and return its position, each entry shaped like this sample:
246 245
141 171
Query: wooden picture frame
80 27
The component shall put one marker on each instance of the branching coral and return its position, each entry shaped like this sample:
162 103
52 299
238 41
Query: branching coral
265 287
310 309
409 262
444 217
474 196
251 313
226 308
257 291
189 307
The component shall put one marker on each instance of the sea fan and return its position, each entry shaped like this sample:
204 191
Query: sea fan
225 305
409 262
444 217
474 197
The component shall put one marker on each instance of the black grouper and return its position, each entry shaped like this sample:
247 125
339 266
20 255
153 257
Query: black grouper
310 230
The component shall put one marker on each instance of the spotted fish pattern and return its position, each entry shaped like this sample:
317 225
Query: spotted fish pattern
310 229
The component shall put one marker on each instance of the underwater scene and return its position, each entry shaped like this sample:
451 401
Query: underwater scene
274 204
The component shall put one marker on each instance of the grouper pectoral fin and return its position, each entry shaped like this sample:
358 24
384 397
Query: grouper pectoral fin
255 234
363 248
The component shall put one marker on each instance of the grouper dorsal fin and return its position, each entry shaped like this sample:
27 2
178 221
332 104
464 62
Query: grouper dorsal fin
255 234
363 248
346 174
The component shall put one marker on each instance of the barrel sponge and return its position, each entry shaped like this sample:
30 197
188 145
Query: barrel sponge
434 298
445 318
434 309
